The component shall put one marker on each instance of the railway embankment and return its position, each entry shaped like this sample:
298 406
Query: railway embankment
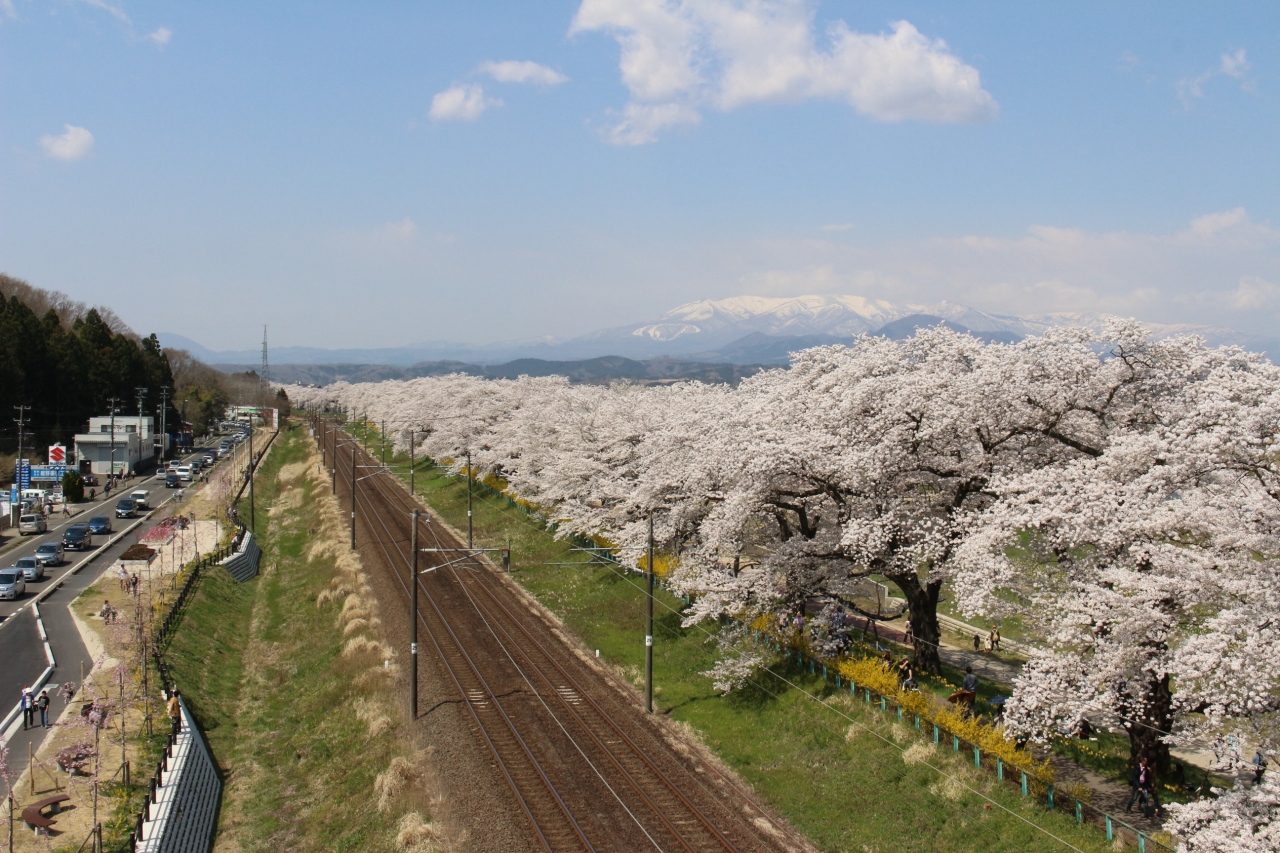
297 691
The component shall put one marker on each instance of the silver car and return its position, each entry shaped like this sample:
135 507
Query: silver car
50 553
32 569
11 584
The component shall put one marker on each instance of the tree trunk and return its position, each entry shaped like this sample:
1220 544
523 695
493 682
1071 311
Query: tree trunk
922 609
1153 718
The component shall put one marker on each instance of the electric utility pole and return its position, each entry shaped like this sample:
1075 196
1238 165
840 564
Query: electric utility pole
112 473
164 421
648 631
470 544
413 620
21 421
142 396
411 465
353 497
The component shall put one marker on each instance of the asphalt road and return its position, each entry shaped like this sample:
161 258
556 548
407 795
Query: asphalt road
20 645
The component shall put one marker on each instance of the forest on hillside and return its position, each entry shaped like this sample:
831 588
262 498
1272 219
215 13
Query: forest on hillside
66 362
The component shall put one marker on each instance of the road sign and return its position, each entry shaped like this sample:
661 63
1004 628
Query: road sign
22 473
57 454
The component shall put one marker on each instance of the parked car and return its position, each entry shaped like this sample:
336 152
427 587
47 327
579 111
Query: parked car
99 524
184 472
172 481
50 553
140 499
90 480
77 537
31 568
33 523
126 509
11 584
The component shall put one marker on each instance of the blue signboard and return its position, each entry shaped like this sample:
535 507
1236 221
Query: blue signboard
48 472
22 473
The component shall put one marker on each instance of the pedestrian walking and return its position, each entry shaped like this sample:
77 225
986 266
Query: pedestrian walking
43 704
123 575
93 494
66 509
175 711
1143 781
910 636
133 582
28 708
977 643
1259 766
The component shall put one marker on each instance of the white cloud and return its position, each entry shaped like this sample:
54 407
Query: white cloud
461 102
7 10
695 54
113 11
72 144
1218 269
161 36
1234 65
640 124
514 71
405 229
1253 293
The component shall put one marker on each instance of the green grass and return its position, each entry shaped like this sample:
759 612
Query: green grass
263 669
846 792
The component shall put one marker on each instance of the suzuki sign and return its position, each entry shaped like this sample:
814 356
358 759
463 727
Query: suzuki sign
57 454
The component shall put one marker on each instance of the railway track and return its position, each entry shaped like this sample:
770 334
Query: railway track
550 727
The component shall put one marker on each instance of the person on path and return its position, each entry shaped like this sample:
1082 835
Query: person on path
66 509
105 612
28 708
175 711
977 643
1259 766
1143 781
995 636
910 637
970 686
43 704
124 579
133 582
93 494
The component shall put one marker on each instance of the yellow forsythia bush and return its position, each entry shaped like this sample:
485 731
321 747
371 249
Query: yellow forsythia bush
872 673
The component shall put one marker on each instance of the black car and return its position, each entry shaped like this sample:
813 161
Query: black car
100 524
77 537
126 508
172 481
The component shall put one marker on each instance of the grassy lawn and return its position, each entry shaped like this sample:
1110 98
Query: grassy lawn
301 724
848 776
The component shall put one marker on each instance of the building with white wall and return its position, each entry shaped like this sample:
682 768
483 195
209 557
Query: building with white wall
131 446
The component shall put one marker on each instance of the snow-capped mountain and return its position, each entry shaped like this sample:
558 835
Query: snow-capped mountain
704 326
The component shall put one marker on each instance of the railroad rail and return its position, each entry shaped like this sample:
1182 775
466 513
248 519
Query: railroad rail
667 804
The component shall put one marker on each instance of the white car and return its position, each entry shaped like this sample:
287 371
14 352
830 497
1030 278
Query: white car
140 499
184 472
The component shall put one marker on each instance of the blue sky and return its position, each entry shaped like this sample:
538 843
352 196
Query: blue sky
381 174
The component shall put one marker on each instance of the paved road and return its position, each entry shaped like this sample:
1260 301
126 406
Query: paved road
20 645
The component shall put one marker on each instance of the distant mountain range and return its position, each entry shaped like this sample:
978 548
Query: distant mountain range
743 330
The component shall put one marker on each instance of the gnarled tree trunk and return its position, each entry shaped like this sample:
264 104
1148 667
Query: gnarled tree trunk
922 608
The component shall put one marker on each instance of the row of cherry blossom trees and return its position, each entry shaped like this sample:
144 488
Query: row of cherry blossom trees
1121 495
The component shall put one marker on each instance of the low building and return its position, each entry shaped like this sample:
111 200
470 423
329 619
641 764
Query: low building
130 447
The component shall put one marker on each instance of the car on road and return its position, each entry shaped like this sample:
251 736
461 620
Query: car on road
184 472
50 553
99 524
77 537
33 523
11 584
172 480
126 509
208 459
161 472
31 568
140 499
90 480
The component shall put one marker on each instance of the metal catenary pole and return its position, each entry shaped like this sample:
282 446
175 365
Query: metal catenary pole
353 497
411 466
470 543
252 523
648 631
413 621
